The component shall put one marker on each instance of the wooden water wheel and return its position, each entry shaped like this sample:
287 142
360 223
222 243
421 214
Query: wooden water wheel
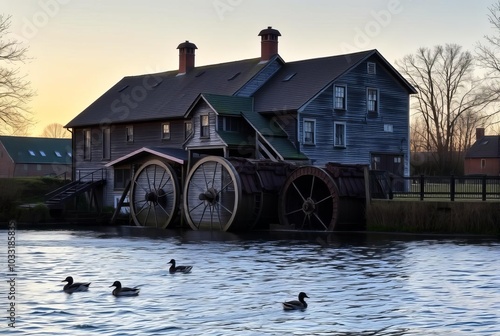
309 200
154 194
212 194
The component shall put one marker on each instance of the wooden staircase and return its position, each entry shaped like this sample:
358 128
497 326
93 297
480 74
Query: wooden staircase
89 182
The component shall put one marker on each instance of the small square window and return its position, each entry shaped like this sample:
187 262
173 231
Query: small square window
188 129
371 68
339 134
130 133
309 131
372 100
42 153
204 126
165 131
32 153
58 154
340 98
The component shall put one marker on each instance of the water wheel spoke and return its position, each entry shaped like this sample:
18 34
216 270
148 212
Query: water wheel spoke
298 191
160 185
306 216
324 199
164 210
218 215
193 183
156 216
147 177
211 217
215 172
141 186
147 215
154 176
312 186
204 175
320 221
202 215
142 207
223 207
192 209
225 187
293 211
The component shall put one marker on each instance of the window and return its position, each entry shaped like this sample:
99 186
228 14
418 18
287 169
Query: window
106 143
130 133
122 177
58 154
309 131
32 153
375 163
188 129
371 68
42 153
38 167
483 163
86 144
372 100
388 128
204 128
165 131
231 124
339 134
339 102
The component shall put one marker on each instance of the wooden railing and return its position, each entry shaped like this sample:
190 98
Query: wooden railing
444 187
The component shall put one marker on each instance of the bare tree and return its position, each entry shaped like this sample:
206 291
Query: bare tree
450 103
488 54
14 89
55 130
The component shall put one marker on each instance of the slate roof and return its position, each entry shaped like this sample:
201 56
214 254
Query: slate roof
165 95
306 78
486 147
36 150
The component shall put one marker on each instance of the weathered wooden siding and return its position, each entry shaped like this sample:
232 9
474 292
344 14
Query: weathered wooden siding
145 135
255 83
364 134
196 140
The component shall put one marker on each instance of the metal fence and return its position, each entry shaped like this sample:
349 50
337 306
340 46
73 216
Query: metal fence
442 187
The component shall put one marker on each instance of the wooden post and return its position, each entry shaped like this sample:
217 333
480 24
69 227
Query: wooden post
422 184
366 174
484 187
452 188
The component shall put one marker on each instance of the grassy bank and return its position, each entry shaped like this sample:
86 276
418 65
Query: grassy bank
25 190
434 217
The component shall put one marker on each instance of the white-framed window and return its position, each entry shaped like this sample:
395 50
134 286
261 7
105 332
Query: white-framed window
372 100
130 134
86 144
204 126
339 134
188 129
371 68
165 131
339 102
106 143
309 132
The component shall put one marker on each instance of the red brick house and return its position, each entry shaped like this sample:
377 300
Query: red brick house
484 155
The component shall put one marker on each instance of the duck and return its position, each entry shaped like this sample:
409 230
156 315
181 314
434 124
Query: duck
124 291
296 304
72 287
181 269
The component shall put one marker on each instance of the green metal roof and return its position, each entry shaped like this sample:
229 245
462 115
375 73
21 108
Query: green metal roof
229 105
37 150
286 149
234 138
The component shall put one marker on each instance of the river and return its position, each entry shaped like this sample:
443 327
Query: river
358 284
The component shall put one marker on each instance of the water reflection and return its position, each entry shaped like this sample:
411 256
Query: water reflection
358 284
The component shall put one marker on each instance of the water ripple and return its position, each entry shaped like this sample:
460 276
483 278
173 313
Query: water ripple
362 286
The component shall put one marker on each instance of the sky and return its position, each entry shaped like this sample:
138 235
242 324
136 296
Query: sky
78 49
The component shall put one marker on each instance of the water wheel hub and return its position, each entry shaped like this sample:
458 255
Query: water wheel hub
308 206
211 196
151 196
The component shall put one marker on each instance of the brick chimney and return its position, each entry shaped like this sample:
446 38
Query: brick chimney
479 133
186 56
268 43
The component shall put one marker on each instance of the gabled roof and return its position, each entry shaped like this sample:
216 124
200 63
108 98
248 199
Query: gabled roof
298 82
173 154
228 105
37 150
165 95
486 147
